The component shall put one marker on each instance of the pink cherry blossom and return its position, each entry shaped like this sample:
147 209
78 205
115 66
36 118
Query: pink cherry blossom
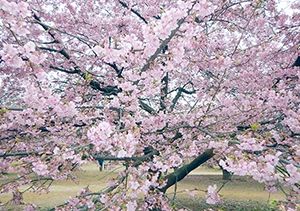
40 168
156 85
212 195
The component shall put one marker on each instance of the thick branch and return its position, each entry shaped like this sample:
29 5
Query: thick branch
136 159
45 27
18 154
180 173
280 117
146 107
179 94
164 91
62 52
76 71
107 90
297 62
115 67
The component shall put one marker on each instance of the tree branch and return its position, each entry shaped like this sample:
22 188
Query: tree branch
134 11
162 46
146 107
180 173
62 52
297 62
279 118
65 70
139 159
118 70
165 42
18 154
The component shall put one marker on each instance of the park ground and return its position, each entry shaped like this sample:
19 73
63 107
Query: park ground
241 193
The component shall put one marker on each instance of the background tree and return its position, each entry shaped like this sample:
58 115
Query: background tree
153 84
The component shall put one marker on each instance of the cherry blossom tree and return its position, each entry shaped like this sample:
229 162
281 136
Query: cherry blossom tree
162 86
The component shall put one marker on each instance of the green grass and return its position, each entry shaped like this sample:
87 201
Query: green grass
228 205
239 194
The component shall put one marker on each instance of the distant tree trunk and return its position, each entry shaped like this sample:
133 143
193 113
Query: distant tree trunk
101 164
226 174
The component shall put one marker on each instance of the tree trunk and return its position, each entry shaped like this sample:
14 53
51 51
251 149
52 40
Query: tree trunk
226 174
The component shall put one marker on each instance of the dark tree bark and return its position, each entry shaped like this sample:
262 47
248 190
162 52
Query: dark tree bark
297 62
183 171
226 174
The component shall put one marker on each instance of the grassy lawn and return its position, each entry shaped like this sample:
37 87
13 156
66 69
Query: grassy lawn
240 192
